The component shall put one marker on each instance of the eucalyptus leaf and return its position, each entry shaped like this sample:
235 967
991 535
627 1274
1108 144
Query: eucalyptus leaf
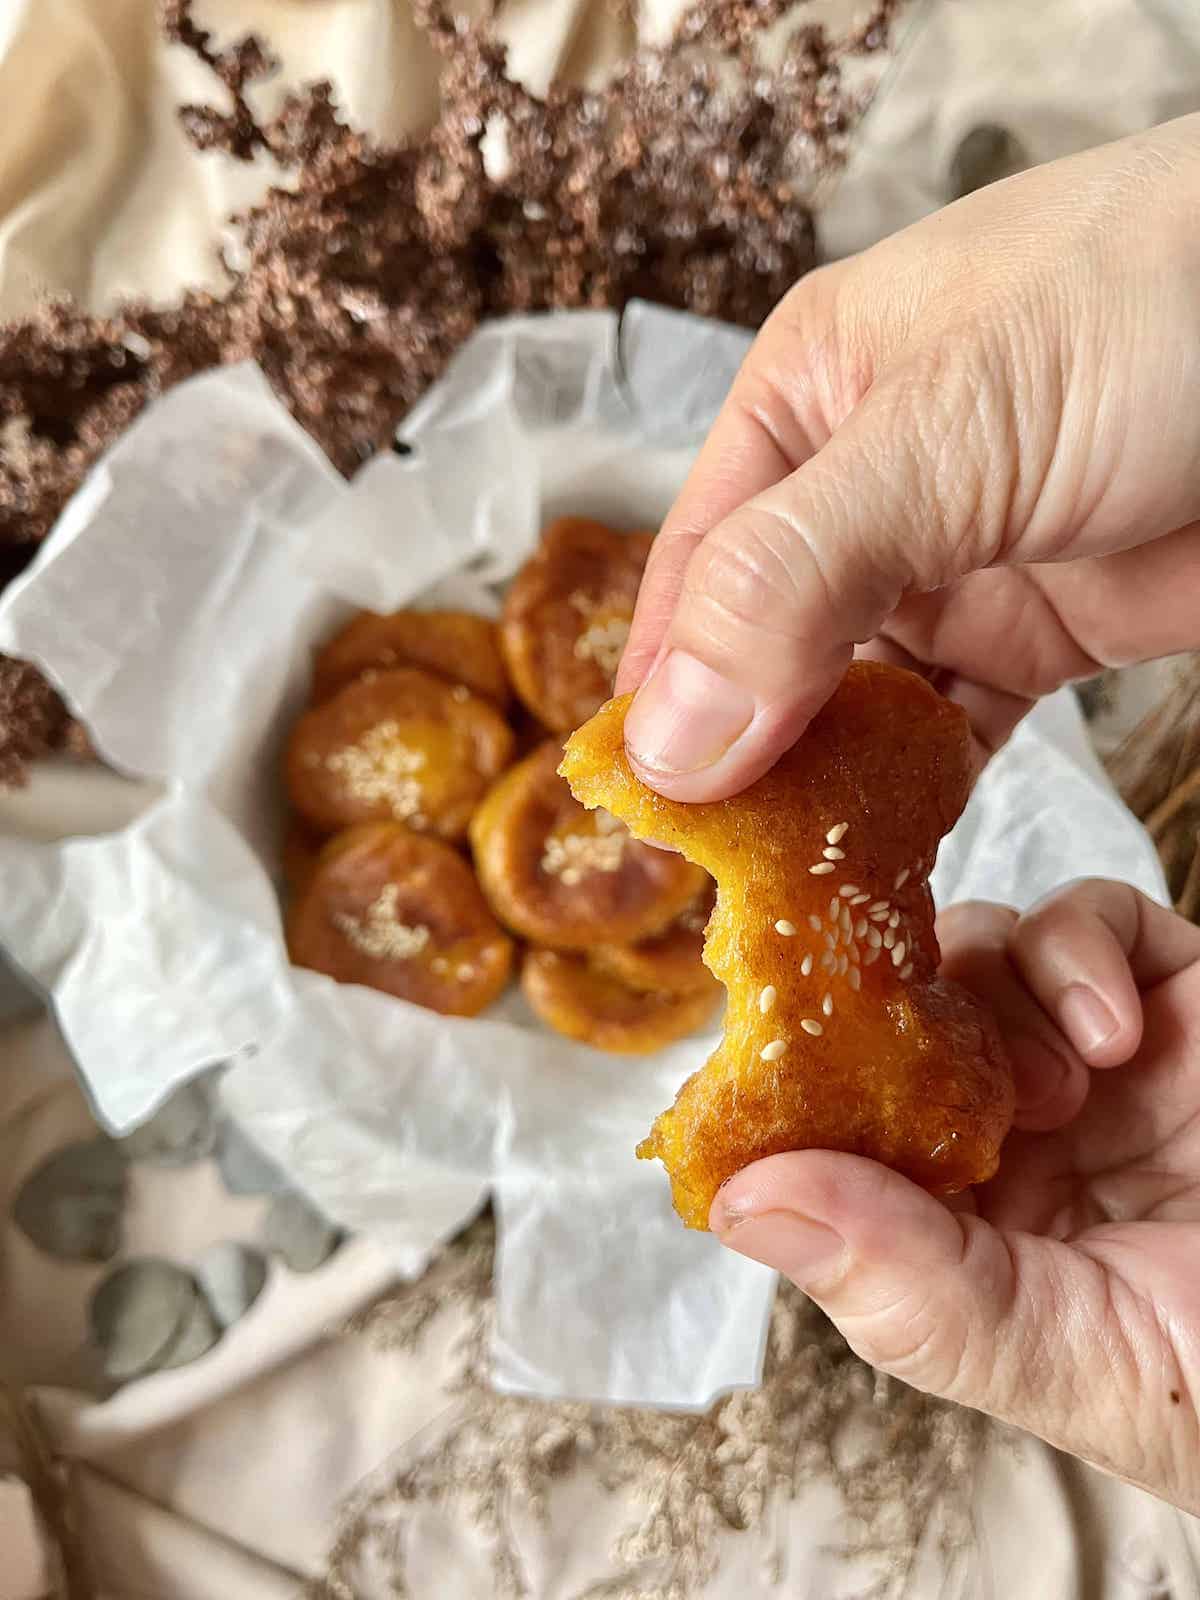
297 1233
71 1205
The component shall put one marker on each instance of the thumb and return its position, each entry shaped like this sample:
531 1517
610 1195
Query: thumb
939 1299
766 607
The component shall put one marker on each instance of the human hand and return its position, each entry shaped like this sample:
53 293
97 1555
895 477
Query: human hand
973 449
1064 1295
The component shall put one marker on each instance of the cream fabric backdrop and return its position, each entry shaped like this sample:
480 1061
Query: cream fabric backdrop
100 197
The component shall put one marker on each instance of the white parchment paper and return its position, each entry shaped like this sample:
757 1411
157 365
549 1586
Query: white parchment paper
176 605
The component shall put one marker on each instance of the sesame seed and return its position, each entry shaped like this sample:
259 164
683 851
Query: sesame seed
848 889
847 934
834 908
854 979
786 928
880 905
828 961
380 934
820 868
871 955
814 923
837 833
827 1005
889 938
906 971
878 916
874 938
604 642
766 999
854 955
898 952
464 972
832 853
860 899
860 928
843 961
571 856
894 920
831 941
901 878
845 920
773 1051
461 693
809 1026
439 964
806 966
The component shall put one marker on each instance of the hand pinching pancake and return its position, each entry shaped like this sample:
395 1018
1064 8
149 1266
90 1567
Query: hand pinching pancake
402 746
839 1034
385 908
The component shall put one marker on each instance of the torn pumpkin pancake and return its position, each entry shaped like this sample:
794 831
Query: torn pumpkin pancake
455 645
566 618
396 912
402 746
839 1034
570 994
565 877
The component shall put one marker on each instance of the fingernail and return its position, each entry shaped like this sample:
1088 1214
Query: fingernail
1087 1020
803 1250
685 716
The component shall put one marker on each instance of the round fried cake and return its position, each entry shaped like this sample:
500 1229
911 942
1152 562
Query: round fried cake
839 1033
455 645
566 618
569 995
386 908
402 746
672 962
562 876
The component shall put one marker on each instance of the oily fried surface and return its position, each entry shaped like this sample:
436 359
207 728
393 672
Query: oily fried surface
832 972
560 875
569 995
566 618
397 912
672 962
455 645
402 746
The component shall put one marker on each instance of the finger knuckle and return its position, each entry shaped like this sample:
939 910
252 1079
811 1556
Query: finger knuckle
745 570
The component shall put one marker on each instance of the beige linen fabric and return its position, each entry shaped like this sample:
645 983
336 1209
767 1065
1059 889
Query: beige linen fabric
232 1477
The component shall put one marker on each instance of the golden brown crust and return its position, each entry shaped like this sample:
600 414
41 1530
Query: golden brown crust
400 747
672 962
566 618
561 876
832 973
455 645
568 994
403 914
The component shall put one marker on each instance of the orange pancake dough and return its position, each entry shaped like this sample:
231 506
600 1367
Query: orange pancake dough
402 746
396 912
570 995
455 645
566 618
838 1034
562 876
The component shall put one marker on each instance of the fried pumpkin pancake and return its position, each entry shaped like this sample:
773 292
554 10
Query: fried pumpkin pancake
839 1034
672 962
301 848
400 747
566 877
455 645
396 912
566 618
569 995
